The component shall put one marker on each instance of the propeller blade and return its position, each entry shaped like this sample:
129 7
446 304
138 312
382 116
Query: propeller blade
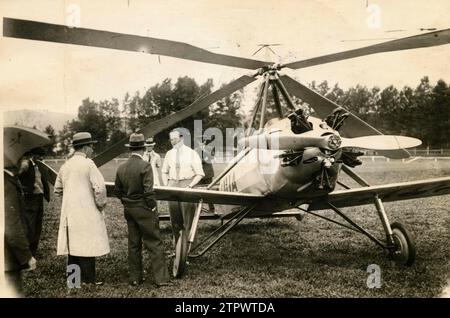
353 126
436 38
383 142
282 141
155 127
33 30
289 141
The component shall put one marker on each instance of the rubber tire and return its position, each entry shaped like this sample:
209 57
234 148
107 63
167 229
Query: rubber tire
179 262
403 238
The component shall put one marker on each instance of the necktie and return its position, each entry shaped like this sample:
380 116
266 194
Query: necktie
150 157
177 163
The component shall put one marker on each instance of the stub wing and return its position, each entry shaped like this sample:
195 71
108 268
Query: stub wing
208 196
387 193
195 195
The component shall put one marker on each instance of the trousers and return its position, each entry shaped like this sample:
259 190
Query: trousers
87 267
13 280
181 213
33 214
143 227
205 182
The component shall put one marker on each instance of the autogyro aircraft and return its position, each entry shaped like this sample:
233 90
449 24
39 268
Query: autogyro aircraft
303 156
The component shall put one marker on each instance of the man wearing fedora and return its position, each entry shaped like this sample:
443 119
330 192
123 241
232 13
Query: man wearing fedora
82 230
154 158
134 188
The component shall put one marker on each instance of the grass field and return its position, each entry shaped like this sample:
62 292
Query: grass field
277 257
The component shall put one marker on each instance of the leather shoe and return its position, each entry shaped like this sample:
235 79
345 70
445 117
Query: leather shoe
93 284
164 284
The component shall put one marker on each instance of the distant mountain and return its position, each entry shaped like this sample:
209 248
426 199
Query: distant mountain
40 119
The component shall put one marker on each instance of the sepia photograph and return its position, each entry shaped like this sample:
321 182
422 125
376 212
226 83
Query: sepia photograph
225 150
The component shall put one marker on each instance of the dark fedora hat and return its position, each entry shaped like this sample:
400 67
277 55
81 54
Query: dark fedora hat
136 141
82 138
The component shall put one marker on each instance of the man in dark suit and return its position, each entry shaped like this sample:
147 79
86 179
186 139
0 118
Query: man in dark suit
17 251
35 188
134 187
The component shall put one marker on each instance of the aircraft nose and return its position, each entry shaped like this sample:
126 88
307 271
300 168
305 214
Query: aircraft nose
334 141
328 162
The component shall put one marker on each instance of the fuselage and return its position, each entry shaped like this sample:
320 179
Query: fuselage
287 177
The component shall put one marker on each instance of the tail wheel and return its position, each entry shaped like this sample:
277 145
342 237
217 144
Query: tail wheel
404 251
179 262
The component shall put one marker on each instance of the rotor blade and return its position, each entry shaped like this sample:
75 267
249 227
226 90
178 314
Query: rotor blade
258 50
49 172
32 30
155 127
384 142
353 126
436 38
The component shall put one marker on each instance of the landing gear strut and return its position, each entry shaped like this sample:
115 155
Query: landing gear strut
184 248
399 242
181 251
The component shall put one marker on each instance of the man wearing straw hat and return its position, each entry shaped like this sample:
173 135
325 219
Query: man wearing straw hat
82 231
134 188
206 154
151 156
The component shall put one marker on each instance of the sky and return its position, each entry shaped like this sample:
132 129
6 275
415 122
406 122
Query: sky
56 77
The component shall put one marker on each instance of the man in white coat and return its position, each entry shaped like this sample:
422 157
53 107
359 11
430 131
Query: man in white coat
82 230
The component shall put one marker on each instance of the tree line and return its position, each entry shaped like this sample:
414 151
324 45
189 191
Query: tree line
422 111
111 120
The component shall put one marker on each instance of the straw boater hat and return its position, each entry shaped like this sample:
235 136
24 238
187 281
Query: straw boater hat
82 138
136 141
150 142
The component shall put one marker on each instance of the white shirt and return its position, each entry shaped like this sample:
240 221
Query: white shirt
155 161
189 165
153 158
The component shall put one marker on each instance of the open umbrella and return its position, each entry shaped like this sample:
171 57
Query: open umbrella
17 140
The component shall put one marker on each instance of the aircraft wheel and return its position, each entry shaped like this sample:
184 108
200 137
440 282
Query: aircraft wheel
404 252
179 262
